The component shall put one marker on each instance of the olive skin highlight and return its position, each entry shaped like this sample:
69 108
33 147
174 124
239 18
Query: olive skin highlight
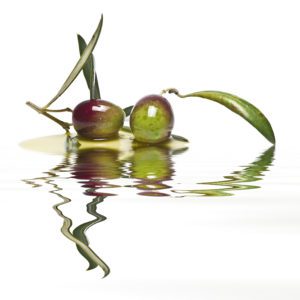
152 119
97 119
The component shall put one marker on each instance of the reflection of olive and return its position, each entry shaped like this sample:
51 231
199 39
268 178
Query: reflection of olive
97 164
152 163
151 166
152 119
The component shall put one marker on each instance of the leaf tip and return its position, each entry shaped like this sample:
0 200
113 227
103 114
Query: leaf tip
273 139
101 20
271 136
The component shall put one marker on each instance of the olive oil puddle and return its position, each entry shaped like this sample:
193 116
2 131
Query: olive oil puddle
146 170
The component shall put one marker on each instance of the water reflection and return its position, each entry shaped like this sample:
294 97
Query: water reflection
147 170
94 168
151 167
235 182
78 236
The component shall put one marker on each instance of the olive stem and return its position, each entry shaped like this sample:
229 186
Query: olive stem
64 125
171 91
59 110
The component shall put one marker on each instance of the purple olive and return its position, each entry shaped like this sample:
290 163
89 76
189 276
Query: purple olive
97 119
152 119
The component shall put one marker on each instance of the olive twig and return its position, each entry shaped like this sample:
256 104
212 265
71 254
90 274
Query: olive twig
59 110
170 91
64 125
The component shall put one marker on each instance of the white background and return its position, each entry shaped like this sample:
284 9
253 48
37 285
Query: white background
248 48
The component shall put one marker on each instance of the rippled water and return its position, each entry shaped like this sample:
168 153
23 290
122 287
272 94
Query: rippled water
179 220
118 169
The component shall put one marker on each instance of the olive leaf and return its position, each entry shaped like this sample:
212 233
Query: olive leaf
96 91
128 110
80 63
89 70
179 138
239 106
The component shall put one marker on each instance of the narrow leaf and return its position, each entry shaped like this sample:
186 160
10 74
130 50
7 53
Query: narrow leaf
241 107
180 138
96 90
89 70
128 110
80 64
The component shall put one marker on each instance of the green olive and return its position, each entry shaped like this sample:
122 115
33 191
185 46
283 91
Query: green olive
152 119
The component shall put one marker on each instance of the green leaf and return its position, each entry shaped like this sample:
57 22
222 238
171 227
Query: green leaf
89 70
80 64
239 106
180 138
128 110
96 90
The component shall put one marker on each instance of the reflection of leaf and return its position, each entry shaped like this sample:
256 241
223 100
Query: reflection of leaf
81 62
93 258
89 70
126 129
239 106
179 151
80 242
252 172
79 232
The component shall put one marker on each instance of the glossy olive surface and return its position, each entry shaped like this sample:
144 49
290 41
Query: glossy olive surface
97 119
152 119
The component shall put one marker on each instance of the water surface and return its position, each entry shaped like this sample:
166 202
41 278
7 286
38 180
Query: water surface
119 168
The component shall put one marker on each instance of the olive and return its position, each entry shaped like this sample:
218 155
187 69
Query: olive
97 119
152 119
